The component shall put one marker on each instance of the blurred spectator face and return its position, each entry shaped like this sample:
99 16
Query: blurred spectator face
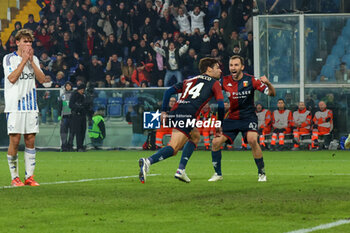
164 36
72 27
227 106
43 56
171 46
30 18
322 105
236 49
121 6
280 105
135 36
196 31
214 53
94 61
196 10
144 85
142 43
108 78
81 67
165 13
84 7
330 97
259 107
43 31
147 20
60 75
111 38
119 23
224 14
90 31
301 106
59 57
160 84
172 100
180 11
64 3
68 87
114 57
148 4
52 8
129 62
66 36
109 7
220 46
191 52
39 44
342 67
234 35
250 37
69 15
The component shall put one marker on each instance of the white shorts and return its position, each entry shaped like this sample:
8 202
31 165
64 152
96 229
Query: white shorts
22 122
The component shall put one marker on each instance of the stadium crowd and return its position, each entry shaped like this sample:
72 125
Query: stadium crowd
127 43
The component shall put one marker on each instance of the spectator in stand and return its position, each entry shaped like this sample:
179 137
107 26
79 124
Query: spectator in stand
81 73
225 5
104 22
183 21
166 23
133 45
197 19
235 15
57 64
205 46
322 125
44 38
67 47
264 123
302 120
282 120
233 41
148 28
31 24
113 66
173 64
123 82
75 37
52 14
111 47
95 72
46 61
214 10
142 51
109 81
93 17
18 26
248 21
249 53
225 25
53 33
159 7
146 11
128 69
91 44
142 74
120 13
196 40
343 74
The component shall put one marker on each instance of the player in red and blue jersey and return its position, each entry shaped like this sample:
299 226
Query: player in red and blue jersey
195 93
240 88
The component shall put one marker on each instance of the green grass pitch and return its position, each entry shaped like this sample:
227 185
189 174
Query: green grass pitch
304 189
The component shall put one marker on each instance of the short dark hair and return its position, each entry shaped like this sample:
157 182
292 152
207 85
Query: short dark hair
238 57
206 62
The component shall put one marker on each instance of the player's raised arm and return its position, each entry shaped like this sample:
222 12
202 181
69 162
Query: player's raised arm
272 91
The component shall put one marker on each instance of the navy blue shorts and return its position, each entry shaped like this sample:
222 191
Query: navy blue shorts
177 118
231 128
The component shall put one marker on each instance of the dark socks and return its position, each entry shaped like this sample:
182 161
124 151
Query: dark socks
163 153
216 158
186 154
260 165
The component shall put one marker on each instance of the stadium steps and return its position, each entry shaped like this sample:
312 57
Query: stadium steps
29 7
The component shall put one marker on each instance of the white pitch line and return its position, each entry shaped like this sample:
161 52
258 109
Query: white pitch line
84 180
322 227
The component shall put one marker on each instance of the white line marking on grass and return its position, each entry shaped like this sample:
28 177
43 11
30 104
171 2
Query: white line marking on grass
84 180
322 227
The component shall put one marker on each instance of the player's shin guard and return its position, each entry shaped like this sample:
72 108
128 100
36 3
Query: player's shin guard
186 154
163 153
29 160
13 165
260 164
216 159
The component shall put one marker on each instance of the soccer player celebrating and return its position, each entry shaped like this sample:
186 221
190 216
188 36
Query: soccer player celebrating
195 93
240 88
21 68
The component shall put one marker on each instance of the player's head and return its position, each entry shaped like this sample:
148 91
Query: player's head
24 38
280 104
172 102
210 66
81 88
322 105
236 66
259 107
301 106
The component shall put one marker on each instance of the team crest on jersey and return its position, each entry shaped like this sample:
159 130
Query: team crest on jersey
245 83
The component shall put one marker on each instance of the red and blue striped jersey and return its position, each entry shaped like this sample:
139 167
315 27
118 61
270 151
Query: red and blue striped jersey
196 92
241 95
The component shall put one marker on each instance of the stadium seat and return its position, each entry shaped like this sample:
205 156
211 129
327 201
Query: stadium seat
328 71
100 103
114 108
129 101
